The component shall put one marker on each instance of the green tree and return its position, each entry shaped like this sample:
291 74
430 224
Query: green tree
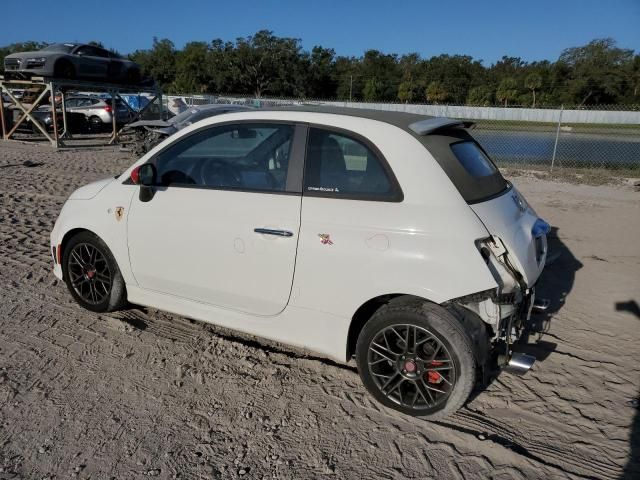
507 90
321 82
410 66
191 68
597 71
384 69
481 96
436 92
533 82
406 91
266 63
220 67
457 72
634 77
371 91
159 62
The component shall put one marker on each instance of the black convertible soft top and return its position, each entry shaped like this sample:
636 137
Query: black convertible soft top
437 135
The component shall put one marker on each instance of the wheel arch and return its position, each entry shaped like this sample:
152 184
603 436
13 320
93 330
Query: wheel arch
63 61
68 235
472 324
366 311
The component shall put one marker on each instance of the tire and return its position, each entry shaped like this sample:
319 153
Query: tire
64 69
85 278
95 123
410 382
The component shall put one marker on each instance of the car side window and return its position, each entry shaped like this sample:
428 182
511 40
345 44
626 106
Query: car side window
99 52
339 165
240 156
85 50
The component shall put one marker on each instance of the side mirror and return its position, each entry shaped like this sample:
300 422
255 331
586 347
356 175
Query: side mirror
148 174
145 175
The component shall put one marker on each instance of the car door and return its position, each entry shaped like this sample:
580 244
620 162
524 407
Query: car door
71 104
83 105
116 67
222 226
351 224
92 62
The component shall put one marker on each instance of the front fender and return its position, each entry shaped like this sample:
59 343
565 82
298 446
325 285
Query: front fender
105 215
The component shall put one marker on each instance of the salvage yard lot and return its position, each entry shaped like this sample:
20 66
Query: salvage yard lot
144 393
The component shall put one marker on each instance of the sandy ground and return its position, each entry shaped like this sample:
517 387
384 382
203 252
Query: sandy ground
143 393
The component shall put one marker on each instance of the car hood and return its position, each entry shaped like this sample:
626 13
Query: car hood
149 123
90 190
29 54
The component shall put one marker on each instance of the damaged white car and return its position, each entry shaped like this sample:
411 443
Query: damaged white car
384 237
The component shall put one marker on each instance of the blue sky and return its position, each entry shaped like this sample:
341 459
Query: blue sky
484 29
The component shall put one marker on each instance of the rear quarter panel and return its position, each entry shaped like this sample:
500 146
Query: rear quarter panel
422 246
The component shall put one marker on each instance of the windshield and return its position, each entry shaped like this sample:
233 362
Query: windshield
59 47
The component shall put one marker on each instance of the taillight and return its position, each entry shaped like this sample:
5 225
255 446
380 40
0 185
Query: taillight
539 232
540 228
108 108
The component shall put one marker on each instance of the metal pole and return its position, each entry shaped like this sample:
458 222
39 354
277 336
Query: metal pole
4 128
63 100
54 115
555 145
113 117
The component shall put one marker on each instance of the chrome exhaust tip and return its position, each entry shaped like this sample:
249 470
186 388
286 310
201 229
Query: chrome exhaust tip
520 363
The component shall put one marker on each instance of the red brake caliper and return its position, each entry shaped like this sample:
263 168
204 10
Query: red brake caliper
434 377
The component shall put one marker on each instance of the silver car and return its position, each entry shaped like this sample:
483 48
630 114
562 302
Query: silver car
99 112
73 60
149 133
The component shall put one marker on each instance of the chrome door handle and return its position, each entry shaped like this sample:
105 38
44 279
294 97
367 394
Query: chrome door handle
269 231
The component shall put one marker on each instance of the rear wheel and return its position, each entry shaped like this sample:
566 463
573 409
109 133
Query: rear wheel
417 359
95 123
92 274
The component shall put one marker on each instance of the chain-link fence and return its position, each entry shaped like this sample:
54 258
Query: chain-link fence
549 146
601 137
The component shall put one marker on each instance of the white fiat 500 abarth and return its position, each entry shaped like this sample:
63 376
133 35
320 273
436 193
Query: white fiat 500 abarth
387 237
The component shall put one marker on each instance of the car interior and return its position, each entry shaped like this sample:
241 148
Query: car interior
253 158
340 164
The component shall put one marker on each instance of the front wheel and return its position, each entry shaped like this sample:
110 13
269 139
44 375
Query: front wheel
64 69
92 274
417 359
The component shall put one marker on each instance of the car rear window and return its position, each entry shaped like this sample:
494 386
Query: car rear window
466 164
473 159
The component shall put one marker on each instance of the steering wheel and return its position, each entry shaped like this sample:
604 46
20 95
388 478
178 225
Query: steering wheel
218 173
